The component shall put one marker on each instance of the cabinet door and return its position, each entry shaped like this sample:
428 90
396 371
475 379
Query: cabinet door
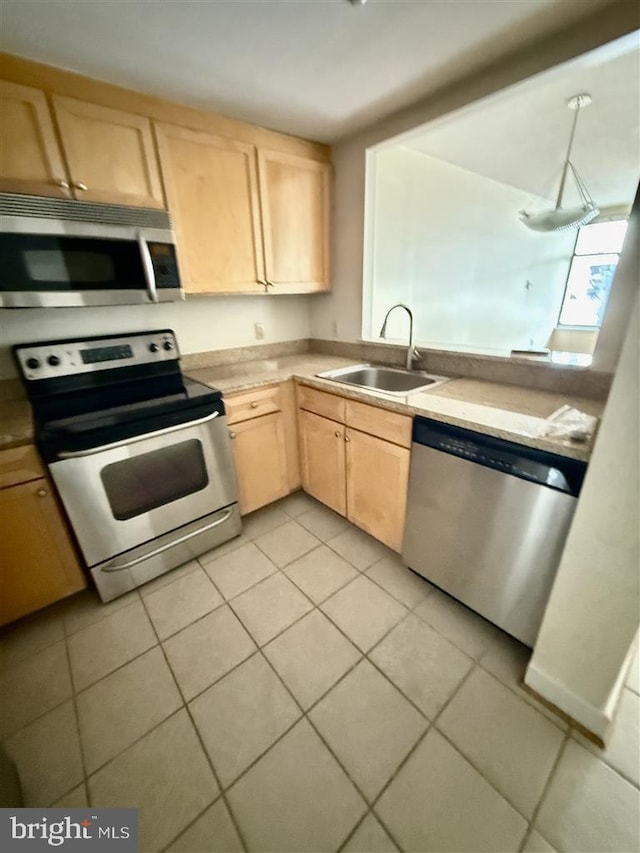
30 159
377 481
37 563
322 459
110 154
261 461
213 197
294 193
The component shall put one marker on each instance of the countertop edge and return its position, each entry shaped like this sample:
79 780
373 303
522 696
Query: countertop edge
17 428
581 452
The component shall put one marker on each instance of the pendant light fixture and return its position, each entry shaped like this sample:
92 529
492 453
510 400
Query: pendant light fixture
560 218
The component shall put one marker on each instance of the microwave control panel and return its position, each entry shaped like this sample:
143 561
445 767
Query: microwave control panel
55 359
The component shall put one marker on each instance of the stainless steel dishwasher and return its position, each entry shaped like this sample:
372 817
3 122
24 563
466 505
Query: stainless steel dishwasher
487 520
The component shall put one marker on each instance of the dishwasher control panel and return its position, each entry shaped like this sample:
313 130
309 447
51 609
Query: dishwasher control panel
509 458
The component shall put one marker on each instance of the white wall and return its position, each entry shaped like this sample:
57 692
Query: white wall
450 243
200 323
339 314
583 648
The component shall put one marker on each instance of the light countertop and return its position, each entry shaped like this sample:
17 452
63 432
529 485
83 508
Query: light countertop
505 411
16 424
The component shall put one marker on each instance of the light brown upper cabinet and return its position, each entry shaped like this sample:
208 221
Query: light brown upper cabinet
110 154
30 158
212 190
295 199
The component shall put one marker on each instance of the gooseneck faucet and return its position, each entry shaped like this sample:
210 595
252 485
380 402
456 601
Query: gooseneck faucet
412 352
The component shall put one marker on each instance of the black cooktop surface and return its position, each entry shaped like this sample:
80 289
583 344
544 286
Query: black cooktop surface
121 412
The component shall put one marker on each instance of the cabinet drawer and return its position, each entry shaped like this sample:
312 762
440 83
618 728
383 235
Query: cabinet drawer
320 403
20 465
252 404
380 422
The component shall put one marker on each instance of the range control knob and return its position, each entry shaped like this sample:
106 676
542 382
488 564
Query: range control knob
168 345
153 347
53 360
33 363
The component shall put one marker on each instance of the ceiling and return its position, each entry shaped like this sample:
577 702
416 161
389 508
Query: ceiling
317 68
520 136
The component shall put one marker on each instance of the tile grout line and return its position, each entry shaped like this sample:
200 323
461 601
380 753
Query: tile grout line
557 721
341 847
76 715
160 642
473 764
545 788
103 616
200 741
370 810
317 701
305 713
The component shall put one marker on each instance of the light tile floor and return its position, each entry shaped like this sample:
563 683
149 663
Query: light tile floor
299 689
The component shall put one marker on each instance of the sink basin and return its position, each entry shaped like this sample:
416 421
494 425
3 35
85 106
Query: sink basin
391 380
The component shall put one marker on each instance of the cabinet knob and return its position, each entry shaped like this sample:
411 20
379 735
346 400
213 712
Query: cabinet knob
346 438
59 182
78 185
232 435
42 493
254 405
338 434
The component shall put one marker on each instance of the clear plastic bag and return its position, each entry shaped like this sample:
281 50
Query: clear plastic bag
567 422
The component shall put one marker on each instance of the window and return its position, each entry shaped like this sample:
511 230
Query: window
593 266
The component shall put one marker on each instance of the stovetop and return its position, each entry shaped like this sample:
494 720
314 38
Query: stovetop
92 391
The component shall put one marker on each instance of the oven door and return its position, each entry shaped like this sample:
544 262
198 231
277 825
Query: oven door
122 495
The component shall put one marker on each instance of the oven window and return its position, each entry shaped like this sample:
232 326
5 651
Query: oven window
151 480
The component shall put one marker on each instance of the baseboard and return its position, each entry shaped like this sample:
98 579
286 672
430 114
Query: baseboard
591 721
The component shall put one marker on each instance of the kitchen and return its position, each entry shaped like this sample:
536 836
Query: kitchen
217 340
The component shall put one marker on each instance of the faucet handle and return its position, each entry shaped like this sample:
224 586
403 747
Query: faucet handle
416 355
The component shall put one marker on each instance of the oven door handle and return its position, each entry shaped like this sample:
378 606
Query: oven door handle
147 266
172 544
78 454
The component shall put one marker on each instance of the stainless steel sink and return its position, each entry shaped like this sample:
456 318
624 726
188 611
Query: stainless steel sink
391 380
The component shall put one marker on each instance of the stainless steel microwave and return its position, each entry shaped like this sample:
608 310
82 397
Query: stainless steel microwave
61 253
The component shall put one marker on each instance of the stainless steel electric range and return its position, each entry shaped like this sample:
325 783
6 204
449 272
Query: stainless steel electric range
139 453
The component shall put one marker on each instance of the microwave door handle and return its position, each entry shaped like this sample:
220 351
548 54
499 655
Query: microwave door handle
147 266
78 454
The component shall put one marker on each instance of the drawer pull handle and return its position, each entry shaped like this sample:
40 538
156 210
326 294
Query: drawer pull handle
42 493
254 405
232 435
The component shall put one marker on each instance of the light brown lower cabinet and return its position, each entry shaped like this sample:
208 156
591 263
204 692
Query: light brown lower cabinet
38 565
262 427
260 457
322 460
362 475
377 479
